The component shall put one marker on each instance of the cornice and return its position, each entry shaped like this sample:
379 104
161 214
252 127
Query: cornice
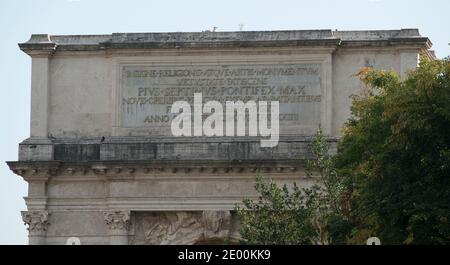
120 43
42 170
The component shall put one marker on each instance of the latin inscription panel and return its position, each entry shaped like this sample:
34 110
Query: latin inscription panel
147 92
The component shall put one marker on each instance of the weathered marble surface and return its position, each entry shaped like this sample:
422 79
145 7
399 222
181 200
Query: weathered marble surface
96 170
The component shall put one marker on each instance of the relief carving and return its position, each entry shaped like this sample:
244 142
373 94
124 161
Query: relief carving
217 224
154 228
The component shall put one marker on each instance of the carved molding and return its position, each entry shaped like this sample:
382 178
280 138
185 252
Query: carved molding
37 221
117 219
42 170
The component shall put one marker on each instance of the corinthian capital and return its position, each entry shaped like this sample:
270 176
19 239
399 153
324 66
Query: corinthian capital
117 220
37 221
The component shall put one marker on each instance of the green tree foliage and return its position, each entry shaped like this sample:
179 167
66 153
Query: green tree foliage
294 215
390 177
395 155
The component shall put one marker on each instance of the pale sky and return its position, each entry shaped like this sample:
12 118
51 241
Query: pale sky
20 18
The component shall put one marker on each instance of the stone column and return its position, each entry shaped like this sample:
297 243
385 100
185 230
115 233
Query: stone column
409 60
118 222
327 84
39 97
40 47
37 222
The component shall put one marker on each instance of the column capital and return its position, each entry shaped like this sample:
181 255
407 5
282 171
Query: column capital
37 221
117 219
